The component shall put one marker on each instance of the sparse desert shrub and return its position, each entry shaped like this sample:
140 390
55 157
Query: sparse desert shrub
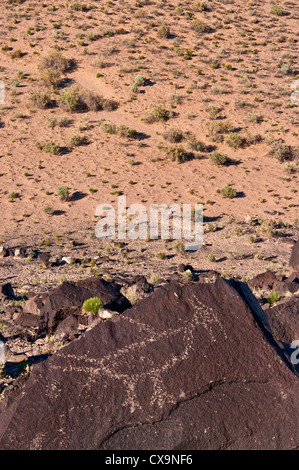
234 140
109 127
125 131
51 77
140 80
200 26
92 305
214 112
286 68
76 98
77 6
218 129
201 6
212 258
228 192
41 100
195 144
277 10
158 113
48 210
77 140
218 158
291 167
174 135
52 147
100 62
163 32
16 54
54 61
63 193
177 153
273 297
281 151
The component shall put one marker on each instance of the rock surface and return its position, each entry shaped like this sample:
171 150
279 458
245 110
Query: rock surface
294 261
284 320
189 367
67 299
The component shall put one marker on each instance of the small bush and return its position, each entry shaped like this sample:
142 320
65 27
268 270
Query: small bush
174 135
92 305
218 158
41 100
52 147
76 98
281 151
16 54
140 80
63 193
228 192
109 127
77 140
159 113
218 129
273 297
54 61
200 26
277 10
234 141
177 153
163 32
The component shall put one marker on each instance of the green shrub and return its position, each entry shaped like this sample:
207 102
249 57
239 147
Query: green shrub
273 297
174 135
228 192
158 113
177 153
218 158
52 147
277 10
63 193
92 305
218 129
41 100
235 141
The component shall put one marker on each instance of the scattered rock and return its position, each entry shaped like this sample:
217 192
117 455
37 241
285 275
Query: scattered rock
263 281
44 259
3 252
6 292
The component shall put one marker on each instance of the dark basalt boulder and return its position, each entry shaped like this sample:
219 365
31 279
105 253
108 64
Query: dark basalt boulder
189 367
284 319
263 281
67 299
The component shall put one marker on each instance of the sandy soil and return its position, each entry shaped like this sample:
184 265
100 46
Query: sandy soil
244 67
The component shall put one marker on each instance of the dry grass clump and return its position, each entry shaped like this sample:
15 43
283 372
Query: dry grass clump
200 26
52 67
177 153
217 130
158 113
174 135
76 98
41 100
283 152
